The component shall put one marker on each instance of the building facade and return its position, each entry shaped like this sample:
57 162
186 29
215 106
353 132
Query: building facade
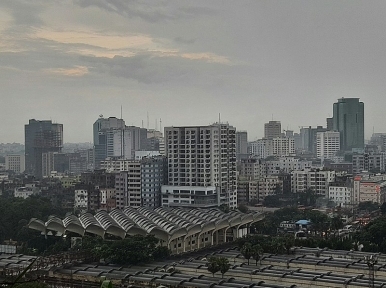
272 129
241 145
327 144
15 163
315 179
203 156
41 137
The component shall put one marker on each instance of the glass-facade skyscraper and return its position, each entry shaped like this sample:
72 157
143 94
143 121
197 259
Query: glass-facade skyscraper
348 119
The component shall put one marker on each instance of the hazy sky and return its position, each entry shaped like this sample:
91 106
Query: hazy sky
187 61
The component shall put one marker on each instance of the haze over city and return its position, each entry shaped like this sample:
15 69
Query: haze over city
187 61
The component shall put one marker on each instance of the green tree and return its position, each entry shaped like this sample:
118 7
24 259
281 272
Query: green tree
212 265
243 208
272 201
223 264
288 242
257 252
246 251
224 208
336 223
368 206
383 208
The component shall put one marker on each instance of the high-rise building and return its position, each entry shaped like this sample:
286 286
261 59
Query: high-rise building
203 156
272 129
330 124
41 137
112 138
241 145
327 144
100 128
348 119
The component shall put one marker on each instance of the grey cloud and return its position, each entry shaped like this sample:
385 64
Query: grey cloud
24 12
183 40
151 11
147 68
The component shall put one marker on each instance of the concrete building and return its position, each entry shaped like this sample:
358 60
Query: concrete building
183 196
41 137
367 188
268 186
241 145
99 178
261 148
128 186
327 144
138 182
145 154
242 191
308 137
285 165
368 162
348 120
203 156
252 169
153 176
341 195
112 138
330 124
81 200
99 136
107 199
26 191
272 129
315 179
15 163
283 146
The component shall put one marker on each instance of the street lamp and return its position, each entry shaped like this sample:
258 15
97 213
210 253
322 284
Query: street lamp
371 261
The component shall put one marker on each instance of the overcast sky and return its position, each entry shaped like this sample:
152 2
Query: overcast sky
187 61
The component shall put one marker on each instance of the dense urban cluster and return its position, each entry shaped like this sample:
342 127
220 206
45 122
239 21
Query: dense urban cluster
196 167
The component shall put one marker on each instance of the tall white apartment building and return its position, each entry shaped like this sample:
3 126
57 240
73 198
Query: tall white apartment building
283 146
261 148
203 156
15 163
327 144
315 179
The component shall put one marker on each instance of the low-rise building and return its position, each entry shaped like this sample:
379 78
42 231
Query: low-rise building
315 179
15 163
268 186
26 191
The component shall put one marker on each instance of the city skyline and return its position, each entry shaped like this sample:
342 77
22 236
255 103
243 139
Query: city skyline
187 61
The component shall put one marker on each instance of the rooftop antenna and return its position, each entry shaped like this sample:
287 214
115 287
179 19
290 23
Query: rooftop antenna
160 125
147 120
121 112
